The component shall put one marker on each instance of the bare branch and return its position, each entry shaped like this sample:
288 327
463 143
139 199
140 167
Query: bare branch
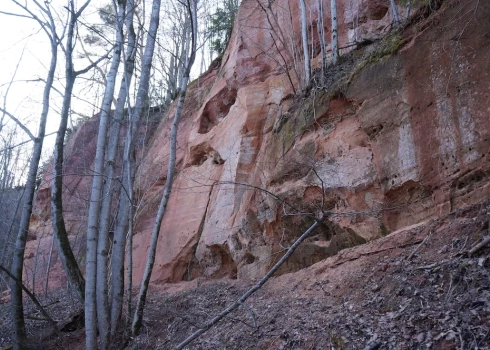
16 15
34 300
19 123
93 64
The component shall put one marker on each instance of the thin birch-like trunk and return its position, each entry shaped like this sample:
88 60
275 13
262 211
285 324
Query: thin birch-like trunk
125 14
19 335
96 195
321 35
171 80
128 171
304 39
141 300
335 38
48 268
394 11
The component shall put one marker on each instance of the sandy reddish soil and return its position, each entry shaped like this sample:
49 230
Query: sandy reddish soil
413 289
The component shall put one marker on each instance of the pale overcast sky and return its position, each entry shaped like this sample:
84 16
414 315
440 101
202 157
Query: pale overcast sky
26 45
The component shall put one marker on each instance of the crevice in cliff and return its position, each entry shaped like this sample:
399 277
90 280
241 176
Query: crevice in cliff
193 266
216 109
200 153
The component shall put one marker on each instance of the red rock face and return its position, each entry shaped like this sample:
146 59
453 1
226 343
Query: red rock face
406 141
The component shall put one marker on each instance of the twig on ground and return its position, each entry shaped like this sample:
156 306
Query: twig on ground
420 245
250 313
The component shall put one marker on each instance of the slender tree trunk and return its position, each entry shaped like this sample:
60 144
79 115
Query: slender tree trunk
321 35
129 274
103 302
68 260
138 317
170 80
128 172
19 335
304 39
48 268
407 9
335 38
394 11
96 198
184 54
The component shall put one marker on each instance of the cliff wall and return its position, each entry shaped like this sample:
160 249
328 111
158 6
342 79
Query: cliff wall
396 134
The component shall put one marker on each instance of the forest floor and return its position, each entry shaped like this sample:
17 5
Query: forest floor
417 288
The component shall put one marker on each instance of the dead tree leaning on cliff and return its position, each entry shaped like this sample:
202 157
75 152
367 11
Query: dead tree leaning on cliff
138 316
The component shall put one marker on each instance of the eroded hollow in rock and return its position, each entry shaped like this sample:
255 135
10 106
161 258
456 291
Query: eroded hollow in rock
202 152
218 262
216 109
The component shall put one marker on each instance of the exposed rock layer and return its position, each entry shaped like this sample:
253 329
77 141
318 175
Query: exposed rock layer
406 141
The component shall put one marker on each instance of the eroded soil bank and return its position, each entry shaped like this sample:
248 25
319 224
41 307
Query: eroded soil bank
413 289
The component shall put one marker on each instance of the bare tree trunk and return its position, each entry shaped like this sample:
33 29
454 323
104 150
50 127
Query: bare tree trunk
335 39
19 335
304 39
394 11
184 54
103 302
70 265
96 197
128 172
321 35
48 268
129 274
138 316
171 80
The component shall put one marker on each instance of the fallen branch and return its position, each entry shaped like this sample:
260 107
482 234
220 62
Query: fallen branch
373 346
36 318
372 253
252 290
420 245
34 299
479 246
430 266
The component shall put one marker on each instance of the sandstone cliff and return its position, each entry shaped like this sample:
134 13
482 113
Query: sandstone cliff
398 136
